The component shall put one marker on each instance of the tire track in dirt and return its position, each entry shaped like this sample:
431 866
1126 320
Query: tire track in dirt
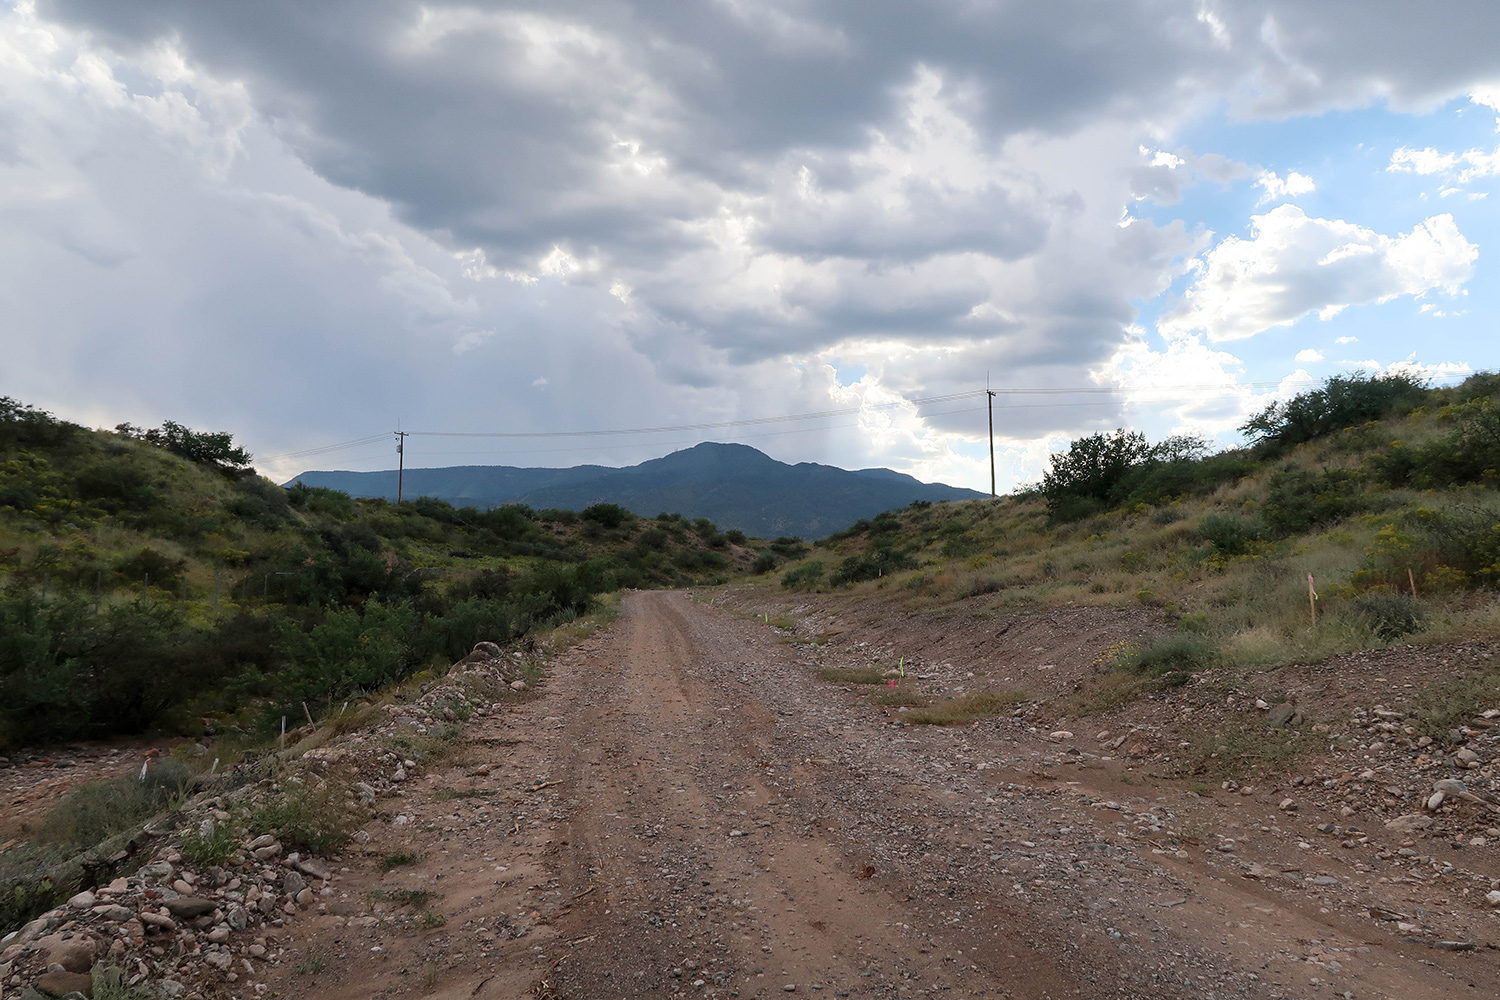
687 851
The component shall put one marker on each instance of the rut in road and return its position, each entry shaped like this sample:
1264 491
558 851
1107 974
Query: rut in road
718 839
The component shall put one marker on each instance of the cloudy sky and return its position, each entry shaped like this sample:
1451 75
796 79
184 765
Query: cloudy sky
312 223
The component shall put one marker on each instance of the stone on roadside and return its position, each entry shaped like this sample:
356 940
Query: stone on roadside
293 883
315 868
83 901
1492 898
76 956
114 912
62 983
1435 801
189 907
1280 715
1410 823
518 685
158 920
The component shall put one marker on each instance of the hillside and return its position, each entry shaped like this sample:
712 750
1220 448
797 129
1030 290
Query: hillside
150 582
1380 493
731 484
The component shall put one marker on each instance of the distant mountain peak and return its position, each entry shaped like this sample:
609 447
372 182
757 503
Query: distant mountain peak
733 485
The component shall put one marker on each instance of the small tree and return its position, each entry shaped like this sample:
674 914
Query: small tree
1343 401
215 449
1081 479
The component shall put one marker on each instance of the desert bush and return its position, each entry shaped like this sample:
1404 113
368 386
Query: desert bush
211 847
874 563
97 811
1389 616
163 570
214 449
804 577
1342 401
317 817
26 887
765 562
1229 533
1297 500
1173 658
1456 544
1470 454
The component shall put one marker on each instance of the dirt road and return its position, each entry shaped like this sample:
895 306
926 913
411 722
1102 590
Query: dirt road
690 810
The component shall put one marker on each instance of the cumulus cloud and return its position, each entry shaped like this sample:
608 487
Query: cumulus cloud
1278 188
1293 265
677 212
1309 354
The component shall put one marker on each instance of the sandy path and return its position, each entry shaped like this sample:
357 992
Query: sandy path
688 810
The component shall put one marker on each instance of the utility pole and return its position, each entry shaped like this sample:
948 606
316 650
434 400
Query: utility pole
400 462
991 402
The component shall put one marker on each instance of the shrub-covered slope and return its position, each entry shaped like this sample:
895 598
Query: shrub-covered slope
148 580
1382 490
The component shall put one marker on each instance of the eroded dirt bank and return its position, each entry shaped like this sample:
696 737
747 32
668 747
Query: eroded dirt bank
689 809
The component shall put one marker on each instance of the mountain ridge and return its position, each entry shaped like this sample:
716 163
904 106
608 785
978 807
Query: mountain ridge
734 485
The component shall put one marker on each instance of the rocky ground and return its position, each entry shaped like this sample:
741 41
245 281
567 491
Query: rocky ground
690 809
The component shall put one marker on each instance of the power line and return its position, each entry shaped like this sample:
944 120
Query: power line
1106 394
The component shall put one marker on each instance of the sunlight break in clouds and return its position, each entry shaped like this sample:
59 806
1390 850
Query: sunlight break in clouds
1293 265
1277 189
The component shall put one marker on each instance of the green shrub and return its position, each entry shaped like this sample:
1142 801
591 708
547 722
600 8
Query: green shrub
804 577
211 848
1343 401
1458 544
1389 616
317 818
97 811
765 562
26 889
870 565
1229 533
1173 659
1297 500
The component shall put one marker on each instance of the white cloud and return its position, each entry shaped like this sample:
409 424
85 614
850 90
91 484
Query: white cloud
1456 168
1347 340
691 213
1277 189
1293 265
1308 354
540 382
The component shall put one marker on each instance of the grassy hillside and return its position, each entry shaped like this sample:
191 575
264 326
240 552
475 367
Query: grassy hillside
149 582
1382 490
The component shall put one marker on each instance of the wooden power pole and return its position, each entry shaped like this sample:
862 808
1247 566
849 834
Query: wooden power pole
991 401
400 463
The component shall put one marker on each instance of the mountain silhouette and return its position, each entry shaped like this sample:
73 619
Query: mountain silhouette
733 485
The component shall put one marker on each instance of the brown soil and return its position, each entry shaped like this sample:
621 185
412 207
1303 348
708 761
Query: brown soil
689 809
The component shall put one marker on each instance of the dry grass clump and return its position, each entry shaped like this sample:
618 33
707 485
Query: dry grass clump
851 675
316 815
967 708
898 698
